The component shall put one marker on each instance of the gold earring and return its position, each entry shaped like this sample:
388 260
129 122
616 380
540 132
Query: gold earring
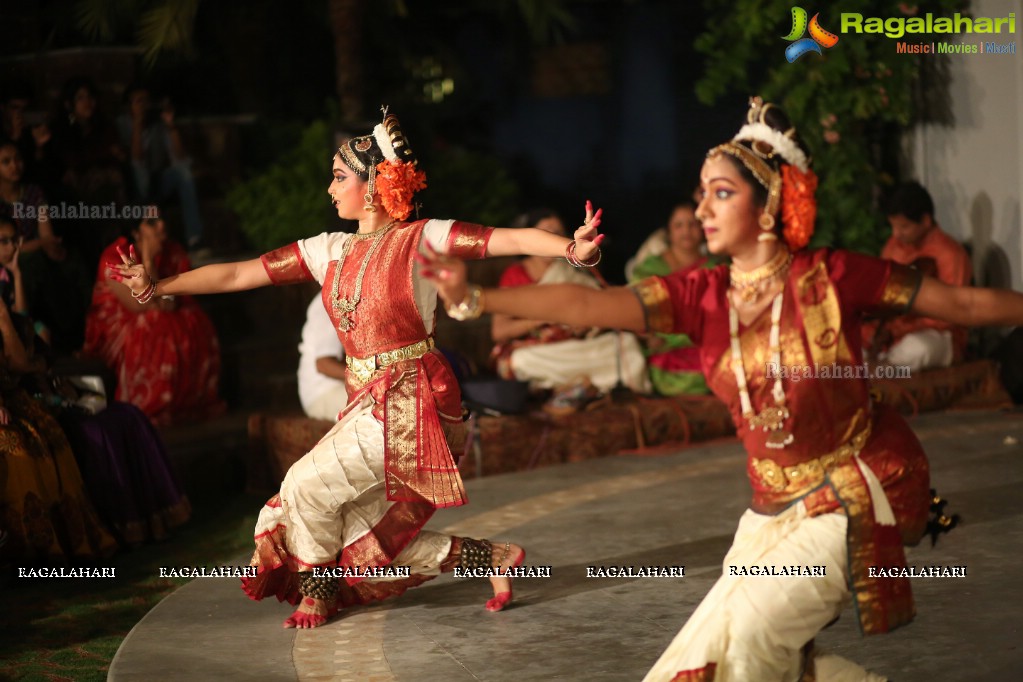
766 228
368 196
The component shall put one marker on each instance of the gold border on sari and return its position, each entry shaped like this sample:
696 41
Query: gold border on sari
658 312
468 241
417 462
285 265
882 603
822 317
901 288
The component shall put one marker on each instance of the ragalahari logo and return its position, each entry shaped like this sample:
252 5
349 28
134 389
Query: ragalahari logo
818 36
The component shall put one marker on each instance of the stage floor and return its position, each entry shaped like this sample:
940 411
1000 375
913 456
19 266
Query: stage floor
672 510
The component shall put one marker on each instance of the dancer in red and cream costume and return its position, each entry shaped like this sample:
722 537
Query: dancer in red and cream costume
360 498
838 482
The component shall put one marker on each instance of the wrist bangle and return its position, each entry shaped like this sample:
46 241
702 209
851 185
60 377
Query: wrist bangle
471 306
146 294
574 260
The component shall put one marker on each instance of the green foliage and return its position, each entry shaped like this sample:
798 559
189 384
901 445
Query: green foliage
160 25
847 104
470 186
285 202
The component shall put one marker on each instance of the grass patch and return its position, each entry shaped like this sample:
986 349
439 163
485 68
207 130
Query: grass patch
70 629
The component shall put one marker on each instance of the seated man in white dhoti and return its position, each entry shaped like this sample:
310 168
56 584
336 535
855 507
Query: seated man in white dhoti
554 355
321 366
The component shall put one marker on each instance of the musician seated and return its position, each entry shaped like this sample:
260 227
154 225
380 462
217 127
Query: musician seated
917 240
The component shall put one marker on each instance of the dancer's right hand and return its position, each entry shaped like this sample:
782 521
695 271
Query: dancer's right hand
129 272
447 274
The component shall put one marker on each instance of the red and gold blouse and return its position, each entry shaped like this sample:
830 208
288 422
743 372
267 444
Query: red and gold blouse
387 336
828 396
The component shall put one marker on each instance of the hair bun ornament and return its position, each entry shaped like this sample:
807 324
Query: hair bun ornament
798 205
392 141
398 177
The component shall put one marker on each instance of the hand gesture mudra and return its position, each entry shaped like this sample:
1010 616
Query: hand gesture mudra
587 239
130 271
447 274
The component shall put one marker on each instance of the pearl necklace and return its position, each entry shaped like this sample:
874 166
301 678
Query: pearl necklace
770 418
344 306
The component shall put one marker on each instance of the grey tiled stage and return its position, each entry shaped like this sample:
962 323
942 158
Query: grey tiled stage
674 509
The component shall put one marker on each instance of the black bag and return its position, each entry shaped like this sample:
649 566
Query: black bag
495 396
1009 356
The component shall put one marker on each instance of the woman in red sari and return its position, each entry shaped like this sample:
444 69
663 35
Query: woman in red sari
356 503
839 483
165 353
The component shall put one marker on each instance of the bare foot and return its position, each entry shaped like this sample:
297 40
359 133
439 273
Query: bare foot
311 613
506 555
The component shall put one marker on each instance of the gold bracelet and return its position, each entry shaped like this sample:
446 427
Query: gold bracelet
471 306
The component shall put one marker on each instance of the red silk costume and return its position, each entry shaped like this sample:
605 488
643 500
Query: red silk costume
417 400
826 294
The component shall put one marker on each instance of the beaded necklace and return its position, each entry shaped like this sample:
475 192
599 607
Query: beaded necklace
770 418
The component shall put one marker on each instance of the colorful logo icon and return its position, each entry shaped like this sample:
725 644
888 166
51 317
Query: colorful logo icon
818 36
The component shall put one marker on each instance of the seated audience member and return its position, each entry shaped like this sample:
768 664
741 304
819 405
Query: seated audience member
127 472
654 245
918 240
55 282
164 352
92 162
321 367
12 289
30 132
556 356
160 166
126 469
673 360
43 504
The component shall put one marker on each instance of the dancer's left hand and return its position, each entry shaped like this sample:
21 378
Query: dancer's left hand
447 274
587 239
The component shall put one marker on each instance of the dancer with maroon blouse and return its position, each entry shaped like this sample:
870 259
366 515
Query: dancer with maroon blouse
838 481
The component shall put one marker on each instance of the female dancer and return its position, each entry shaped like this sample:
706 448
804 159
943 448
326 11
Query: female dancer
837 481
361 497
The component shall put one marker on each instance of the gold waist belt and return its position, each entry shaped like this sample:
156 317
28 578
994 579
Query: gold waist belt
806 475
364 367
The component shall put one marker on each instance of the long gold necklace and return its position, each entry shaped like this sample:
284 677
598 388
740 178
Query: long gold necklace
344 306
748 285
770 418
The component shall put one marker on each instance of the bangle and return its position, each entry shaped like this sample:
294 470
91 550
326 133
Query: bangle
471 306
147 294
574 260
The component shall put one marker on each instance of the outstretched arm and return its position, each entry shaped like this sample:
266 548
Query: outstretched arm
530 241
571 304
968 306
209 279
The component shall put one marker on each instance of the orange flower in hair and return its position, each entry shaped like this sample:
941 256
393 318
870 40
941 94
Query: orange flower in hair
396 183
798 205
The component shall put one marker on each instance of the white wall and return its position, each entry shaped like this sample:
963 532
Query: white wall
974 170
